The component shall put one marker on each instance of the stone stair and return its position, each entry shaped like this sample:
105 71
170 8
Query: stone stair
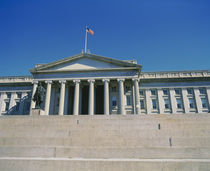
115 142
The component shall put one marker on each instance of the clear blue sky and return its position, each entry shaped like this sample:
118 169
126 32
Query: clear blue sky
163 35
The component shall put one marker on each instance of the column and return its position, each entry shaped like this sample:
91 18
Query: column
2 96
62 96
47 98
66 100
160 101
91 97
12 102
76 97
197 100
33 104
148 101
137 99
173 101
106 96
185 100
208 96
121 97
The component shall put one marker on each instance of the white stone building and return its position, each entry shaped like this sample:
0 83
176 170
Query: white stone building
92 84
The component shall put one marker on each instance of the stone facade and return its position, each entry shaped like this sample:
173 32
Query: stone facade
92 84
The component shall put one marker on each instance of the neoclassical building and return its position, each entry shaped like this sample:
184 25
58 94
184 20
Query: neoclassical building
88 84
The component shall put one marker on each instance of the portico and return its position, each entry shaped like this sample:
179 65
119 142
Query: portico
86 84
83 97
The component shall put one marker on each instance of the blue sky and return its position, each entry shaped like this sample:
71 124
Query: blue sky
163 35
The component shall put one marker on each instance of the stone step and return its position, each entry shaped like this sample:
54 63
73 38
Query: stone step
106 152
115 131
92 141
66 164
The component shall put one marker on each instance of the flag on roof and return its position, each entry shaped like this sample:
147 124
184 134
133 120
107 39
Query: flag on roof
90 31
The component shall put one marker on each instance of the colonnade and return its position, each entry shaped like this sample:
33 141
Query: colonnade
91 96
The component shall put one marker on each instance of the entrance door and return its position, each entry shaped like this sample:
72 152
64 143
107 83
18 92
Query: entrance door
99 99
85 95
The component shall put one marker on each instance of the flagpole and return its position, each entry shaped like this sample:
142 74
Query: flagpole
86 39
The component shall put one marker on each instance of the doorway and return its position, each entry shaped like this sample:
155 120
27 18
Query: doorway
85 96
99 100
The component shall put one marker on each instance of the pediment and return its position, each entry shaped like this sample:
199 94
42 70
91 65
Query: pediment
84 62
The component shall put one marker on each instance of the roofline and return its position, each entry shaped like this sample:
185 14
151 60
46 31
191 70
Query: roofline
43 66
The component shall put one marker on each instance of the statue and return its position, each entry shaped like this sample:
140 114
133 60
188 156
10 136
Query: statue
39 95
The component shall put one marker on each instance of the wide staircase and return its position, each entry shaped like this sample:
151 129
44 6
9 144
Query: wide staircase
99 143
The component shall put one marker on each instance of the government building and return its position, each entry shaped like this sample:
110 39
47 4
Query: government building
88 84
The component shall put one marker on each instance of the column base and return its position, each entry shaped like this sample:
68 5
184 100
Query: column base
36 112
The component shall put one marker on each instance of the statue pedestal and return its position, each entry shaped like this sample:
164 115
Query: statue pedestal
36 112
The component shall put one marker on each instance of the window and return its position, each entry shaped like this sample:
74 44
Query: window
128 99
165 91
27 106
192 103
6 106
179 103
142 104
204 102
154 103
114 101
202 90
141 92
8 95
127 88
17 106
189 91
153 92
18 95
177 91
166 103
114 89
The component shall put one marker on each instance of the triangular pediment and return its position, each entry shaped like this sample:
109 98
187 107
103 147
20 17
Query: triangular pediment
84 62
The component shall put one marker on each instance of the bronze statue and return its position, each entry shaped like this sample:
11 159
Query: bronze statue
39 95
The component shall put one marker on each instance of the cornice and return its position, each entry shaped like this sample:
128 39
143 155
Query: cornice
175 74
16 79
85 70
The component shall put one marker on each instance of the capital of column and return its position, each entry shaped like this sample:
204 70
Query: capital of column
76 81
48 81
135 79
62 81
91 81
120 79
106 80
34 82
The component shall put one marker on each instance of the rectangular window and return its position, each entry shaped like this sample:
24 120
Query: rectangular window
19 95
8 95
142 104
178 91
127 88
128 99
6 106
153 92
202 90
192 103
114 101
17 106
179 103
27 106
141 92
154 103
166 103
114 89
189 90
165 91
204 102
